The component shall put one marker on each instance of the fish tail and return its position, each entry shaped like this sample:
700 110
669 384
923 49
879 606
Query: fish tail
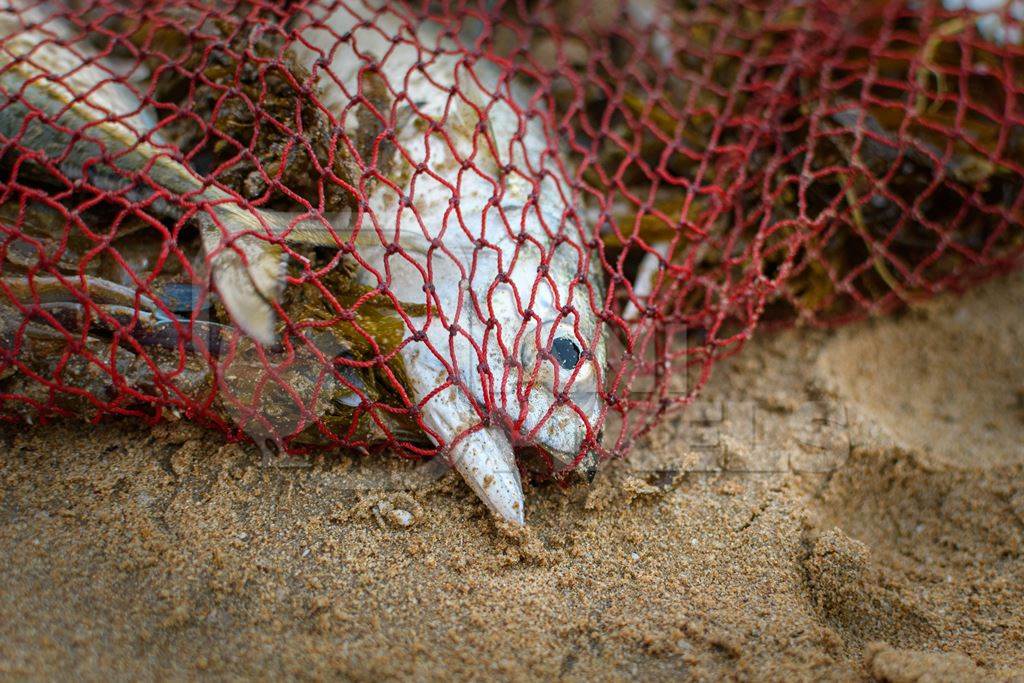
248 269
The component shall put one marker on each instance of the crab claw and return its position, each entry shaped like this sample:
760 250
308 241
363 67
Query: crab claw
249 272
485 460
248 292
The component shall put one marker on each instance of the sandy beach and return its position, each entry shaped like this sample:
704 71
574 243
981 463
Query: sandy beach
844 504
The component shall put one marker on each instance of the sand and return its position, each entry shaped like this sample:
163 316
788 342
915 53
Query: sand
843 504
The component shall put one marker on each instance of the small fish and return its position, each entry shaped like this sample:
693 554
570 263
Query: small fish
66 106
470 214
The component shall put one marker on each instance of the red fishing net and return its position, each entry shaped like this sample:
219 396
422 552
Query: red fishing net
551 218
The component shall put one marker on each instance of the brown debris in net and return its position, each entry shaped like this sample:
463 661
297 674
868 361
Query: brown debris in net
251 118
913 194
861 173
252 125
360 330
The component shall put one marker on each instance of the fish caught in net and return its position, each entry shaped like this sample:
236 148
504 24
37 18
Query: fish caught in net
511 234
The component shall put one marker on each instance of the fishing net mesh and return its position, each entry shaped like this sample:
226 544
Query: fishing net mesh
725 166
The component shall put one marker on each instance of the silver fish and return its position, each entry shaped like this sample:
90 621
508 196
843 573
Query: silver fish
66 105
471 214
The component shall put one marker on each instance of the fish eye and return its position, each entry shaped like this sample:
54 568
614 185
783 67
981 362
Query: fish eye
566 352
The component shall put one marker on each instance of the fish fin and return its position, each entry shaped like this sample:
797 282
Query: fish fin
643 283
335 230
248 272
485 460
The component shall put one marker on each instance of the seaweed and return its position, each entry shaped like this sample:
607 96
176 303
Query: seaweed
242 108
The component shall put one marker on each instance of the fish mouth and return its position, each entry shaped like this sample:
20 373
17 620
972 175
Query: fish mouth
586 468
547 460
558 464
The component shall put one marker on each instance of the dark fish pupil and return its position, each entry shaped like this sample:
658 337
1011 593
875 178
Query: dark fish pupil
565 352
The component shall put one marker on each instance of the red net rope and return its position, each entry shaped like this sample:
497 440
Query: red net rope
350 224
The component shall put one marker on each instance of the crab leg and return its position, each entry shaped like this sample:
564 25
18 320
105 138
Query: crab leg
46 289
143 321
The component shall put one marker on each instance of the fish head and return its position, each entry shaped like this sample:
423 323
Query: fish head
547 363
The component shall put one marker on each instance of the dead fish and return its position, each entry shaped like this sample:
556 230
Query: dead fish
472 216
66 106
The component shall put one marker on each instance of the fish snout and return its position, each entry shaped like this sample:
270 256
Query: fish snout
562 438
586 470
549 433
583 471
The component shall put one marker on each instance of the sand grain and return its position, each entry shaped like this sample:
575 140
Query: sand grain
847 505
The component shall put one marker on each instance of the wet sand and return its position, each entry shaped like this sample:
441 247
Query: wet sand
843 504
